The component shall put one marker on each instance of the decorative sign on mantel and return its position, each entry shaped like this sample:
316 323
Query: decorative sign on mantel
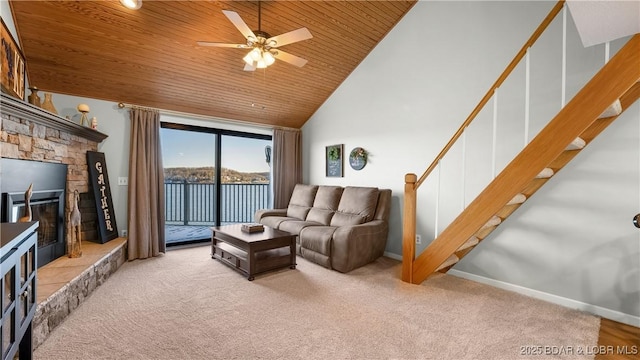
99 181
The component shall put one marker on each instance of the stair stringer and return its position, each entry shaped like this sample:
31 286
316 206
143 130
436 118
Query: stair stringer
615 79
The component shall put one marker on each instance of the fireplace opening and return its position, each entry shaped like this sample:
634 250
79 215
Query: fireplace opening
47 203
47 207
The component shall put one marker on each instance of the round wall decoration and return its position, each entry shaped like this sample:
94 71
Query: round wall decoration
358 158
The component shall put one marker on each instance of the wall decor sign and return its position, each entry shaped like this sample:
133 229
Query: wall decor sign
99 182
12 67
333 155
358 158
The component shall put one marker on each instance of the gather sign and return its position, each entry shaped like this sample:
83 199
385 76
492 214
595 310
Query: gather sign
99 182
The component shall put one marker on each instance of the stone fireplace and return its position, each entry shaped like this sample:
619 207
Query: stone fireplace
30 133
49 143
47 205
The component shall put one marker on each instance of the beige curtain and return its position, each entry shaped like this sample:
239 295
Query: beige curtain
146 186
287 165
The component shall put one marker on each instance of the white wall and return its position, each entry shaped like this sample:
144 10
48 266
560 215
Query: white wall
573 242
113 122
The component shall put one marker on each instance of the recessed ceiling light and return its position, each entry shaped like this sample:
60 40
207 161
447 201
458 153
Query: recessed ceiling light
132 4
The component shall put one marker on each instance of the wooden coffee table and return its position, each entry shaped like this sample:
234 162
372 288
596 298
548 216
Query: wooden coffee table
253 253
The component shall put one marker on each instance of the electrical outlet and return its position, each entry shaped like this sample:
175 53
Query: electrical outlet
123 181
123 233
418 239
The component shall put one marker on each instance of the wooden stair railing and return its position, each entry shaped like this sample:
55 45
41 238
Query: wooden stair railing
412 183
617 80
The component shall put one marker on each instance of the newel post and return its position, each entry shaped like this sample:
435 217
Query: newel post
409 227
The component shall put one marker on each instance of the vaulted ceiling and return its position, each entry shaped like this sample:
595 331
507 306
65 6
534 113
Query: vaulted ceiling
149 57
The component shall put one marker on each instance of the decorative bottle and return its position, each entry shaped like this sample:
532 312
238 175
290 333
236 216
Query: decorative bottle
47 104
34 99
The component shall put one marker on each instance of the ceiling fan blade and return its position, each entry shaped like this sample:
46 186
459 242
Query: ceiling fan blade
248 67
290 37
217 44
239 24
291 59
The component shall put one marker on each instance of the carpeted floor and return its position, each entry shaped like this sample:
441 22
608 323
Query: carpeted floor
185 305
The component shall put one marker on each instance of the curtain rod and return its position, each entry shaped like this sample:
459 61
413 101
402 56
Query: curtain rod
122 105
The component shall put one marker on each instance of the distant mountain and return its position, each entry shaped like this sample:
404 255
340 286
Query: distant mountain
207 175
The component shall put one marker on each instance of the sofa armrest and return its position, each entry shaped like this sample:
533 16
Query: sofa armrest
357 245
269 212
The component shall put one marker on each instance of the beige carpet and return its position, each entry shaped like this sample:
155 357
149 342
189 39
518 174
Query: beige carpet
185 305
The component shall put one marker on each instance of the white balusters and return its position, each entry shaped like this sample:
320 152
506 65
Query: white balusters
564 57
527 95
495 134
435 227
464 158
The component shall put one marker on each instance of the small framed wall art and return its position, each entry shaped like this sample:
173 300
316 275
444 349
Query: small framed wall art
12 67
334 160
358 158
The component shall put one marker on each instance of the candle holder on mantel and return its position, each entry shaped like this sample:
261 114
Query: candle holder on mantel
84 109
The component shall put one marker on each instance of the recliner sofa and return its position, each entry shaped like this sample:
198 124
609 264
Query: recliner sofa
340 228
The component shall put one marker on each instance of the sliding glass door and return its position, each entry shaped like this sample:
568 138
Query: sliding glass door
245 178
212 177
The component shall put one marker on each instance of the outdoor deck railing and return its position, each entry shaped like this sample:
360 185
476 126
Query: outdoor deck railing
194 203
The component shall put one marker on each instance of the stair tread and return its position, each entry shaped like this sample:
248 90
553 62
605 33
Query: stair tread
545 173
495 220
472 241
576 144
451 260
614 109
518 199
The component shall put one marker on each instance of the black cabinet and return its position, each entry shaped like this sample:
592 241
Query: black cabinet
18 288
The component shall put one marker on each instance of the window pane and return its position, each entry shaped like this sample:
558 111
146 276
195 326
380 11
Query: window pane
245 178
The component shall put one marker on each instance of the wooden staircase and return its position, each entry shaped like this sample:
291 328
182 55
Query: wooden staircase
611 91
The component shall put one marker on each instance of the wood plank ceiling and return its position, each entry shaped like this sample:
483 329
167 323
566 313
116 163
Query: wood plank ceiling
149 57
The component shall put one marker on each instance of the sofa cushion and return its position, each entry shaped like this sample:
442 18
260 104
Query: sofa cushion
357 205
328 197
320 216
301 201
295 226
274 221
317 239
342 219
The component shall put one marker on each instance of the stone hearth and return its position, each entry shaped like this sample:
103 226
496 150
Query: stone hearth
30 133
63 284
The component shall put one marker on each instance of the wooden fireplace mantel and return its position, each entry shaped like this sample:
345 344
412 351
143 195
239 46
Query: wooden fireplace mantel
26 111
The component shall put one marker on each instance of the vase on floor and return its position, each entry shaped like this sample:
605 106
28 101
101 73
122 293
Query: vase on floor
47 104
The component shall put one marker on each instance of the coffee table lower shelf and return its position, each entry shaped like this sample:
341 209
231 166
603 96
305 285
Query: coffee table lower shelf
253 253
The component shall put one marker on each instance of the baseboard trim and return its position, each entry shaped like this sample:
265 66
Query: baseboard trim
393 256
555 299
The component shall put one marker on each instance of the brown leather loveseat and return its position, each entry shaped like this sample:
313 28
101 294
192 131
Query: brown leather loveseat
341 228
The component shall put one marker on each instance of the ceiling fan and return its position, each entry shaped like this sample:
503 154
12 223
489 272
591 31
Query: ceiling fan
264 47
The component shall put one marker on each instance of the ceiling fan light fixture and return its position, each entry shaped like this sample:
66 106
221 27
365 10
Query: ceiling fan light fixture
255 54
261 64
248 59
131 4
268 58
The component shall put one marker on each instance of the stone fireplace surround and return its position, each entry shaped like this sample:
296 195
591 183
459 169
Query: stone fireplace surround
30 133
